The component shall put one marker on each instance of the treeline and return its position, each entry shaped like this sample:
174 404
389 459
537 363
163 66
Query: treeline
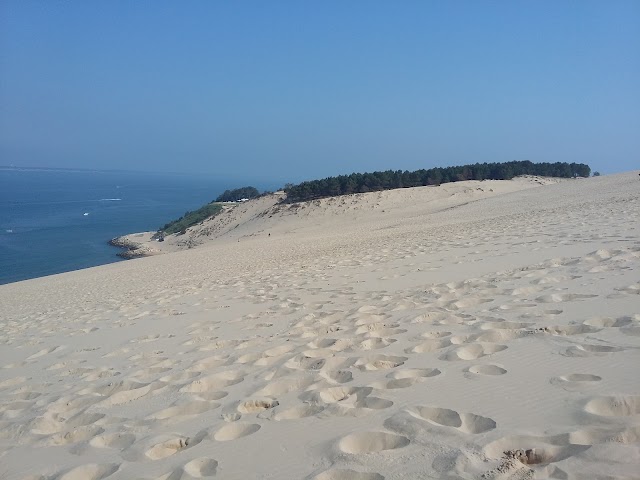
238 194
391 179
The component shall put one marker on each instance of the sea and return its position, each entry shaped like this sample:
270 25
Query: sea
58 220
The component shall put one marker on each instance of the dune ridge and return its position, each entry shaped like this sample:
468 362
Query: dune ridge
474 330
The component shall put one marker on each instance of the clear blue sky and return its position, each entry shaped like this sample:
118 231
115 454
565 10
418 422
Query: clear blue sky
290 90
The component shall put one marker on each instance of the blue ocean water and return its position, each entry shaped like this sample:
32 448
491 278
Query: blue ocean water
54 221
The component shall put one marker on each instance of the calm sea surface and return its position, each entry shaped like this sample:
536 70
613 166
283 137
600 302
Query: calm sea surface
54 221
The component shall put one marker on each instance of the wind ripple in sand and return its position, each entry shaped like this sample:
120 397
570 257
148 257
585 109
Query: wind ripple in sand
464 422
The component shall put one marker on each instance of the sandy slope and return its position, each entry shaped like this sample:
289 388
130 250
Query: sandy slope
424 333
268 215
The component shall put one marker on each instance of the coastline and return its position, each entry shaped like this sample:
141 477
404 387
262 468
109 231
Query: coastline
51 234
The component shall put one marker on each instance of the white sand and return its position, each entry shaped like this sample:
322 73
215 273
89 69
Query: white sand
438 332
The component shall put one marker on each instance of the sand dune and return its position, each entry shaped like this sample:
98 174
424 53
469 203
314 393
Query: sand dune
474 330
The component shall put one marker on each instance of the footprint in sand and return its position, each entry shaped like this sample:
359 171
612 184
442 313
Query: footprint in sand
438 318
472 351
235 430
117 441
305 362
301 411
505 325
256 405
414 373
209 363
79 434
464 422
183 411
429 346
283 386
380 329
567 330
201 467
178 377
614 406
373 343
487 370
337 376
367 442
380 362
405 378
598 435
563 297
575 381
51 423
395 384
90 472
432 335
515 451
213 382
347 397
164 446
587 350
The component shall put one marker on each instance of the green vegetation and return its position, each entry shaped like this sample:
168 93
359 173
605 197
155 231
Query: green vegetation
390 179
238 194
596 174
190 219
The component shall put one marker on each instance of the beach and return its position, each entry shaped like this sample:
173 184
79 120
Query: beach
479 329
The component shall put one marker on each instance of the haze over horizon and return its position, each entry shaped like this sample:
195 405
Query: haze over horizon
293 91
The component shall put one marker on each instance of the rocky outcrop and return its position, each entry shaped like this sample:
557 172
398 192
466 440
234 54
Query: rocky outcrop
132 249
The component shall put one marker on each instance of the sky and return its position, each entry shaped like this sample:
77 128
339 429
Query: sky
294 90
